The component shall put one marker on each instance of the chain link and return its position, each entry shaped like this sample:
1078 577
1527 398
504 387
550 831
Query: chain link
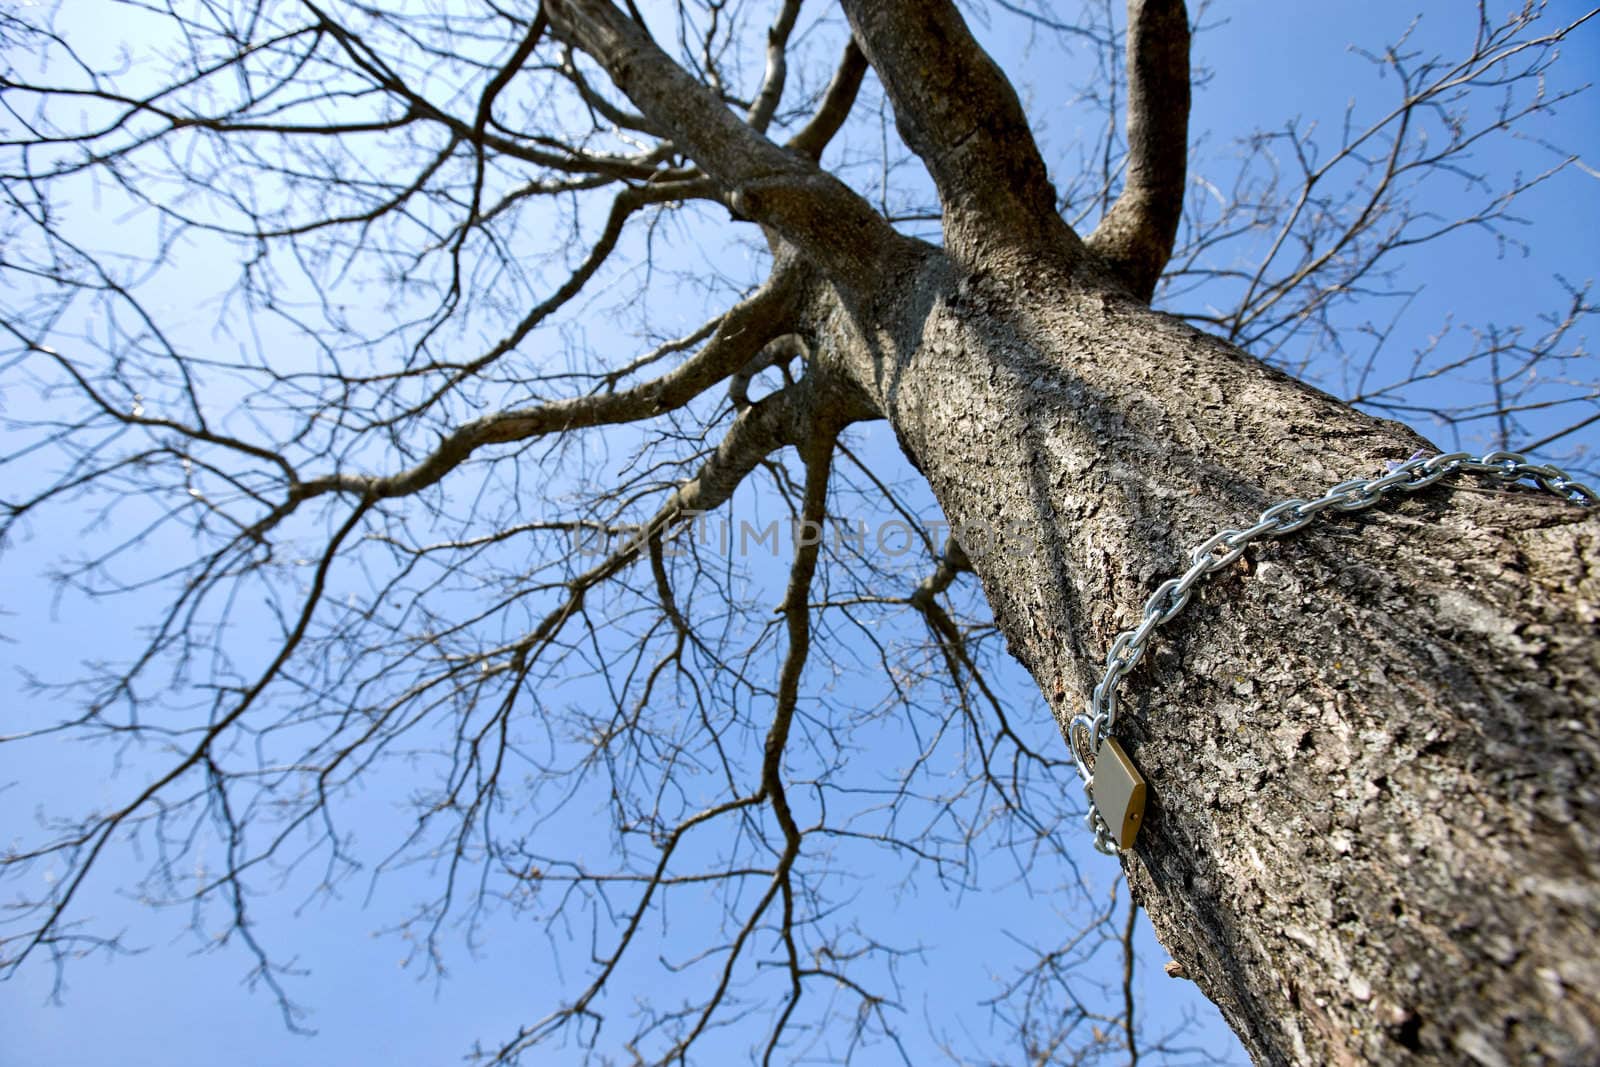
1225 547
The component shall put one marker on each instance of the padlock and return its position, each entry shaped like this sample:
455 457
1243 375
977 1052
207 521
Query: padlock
1118 792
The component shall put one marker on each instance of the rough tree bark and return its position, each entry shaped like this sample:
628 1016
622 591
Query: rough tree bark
1371 751
1371 748
1374 833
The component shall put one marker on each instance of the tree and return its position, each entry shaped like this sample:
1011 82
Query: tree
1370 746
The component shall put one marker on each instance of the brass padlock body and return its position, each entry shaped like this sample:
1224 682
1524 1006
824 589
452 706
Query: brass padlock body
1119 792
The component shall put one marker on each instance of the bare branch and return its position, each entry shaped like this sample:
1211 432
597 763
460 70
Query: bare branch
829 223
1129 1027
957 110
1136 235
738 337
837 101
767 99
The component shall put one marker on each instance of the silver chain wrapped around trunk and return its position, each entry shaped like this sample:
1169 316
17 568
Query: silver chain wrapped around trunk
1092 729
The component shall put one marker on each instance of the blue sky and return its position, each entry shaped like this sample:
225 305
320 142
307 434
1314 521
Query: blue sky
182 1000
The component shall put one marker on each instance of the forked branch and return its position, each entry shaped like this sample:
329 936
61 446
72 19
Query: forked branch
957 111
762 181
738 337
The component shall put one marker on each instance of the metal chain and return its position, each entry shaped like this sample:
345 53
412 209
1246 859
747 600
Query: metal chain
1226 546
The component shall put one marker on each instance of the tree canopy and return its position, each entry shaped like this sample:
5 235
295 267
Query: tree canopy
426 415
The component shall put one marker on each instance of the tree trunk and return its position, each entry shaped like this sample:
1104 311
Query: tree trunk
1372 832
1371 748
